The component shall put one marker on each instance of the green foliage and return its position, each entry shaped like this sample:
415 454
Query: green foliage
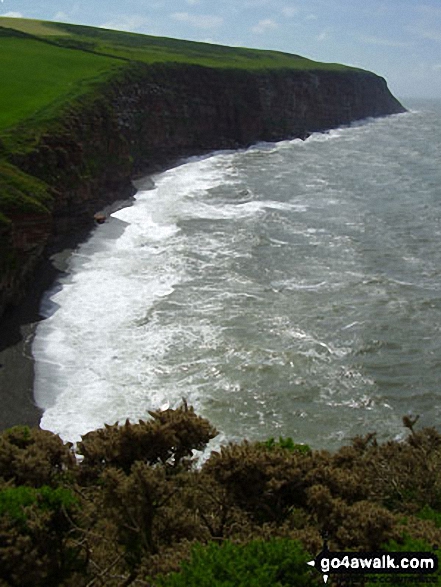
407 544
52 499
14 500
134 506
275 563
19 192
427 513
285 443
4 221
149 49
37 545
29 27
61 62
55 74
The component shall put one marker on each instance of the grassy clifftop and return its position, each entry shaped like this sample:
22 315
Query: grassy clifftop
150 49
83 109
46 66
43 64
37 77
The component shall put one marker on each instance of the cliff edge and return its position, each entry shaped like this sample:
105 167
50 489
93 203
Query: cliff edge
146 116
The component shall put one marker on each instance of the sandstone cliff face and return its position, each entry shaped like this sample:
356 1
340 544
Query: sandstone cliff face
155 114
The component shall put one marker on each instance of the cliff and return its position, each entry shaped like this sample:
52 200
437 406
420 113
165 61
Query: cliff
149 115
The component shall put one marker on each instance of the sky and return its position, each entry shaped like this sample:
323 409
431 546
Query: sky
397 39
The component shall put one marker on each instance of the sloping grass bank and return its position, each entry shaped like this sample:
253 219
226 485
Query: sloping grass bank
44 64
47 68
150 49
38 77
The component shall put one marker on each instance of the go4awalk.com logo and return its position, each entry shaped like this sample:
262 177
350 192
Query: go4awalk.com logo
378 563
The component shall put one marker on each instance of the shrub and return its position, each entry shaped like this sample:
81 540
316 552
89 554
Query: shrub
265 483
169 438
34 457
285 443
38 547
275 563
427 513
14 500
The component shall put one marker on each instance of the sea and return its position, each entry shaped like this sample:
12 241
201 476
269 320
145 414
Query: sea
289 289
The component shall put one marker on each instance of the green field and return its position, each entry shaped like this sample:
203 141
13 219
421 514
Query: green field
36 74
44 65
148 49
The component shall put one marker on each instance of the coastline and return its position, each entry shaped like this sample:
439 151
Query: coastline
17 330
19 323
17 372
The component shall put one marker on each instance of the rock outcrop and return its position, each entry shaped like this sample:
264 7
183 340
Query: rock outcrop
153 115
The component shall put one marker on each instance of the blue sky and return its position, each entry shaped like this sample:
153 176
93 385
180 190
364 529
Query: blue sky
398 39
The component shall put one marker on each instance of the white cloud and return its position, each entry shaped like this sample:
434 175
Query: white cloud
323 36
13 14
436 67
290 11
200 21
265 25
126 23
192 2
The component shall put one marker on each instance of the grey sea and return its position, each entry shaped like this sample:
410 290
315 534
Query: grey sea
290 289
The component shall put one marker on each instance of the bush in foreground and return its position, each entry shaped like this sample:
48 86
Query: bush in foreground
136 505
273 563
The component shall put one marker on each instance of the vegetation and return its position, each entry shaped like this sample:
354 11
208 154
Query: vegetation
61 62
277 563
37 75
51 72
135 508
148 49
21 192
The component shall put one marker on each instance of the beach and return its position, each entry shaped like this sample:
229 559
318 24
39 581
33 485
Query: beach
17 371
18 324
17 330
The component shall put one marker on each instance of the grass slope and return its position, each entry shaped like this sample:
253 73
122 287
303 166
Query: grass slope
36 74
46 66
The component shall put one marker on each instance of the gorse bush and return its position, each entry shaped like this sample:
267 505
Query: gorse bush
286 443
14 500
39 545
273 563
135 504
30 456
169 438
